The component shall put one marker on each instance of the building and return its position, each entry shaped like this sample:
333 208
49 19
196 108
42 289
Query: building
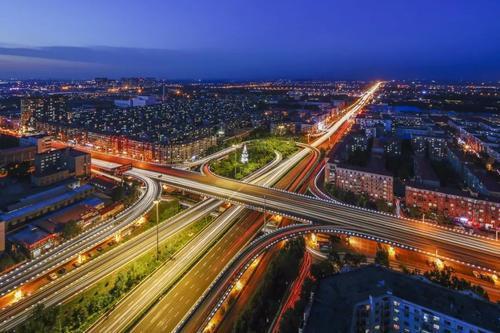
376 299
42 142
29 107
135 149
111 210
104 184
478 134
392 146
424 174
57 165
43 203
282 128
2 236
32 240
372 180
135 101
144 101
49 109
17 155
357 142
475 179
244 155
84 213
432 145
456 204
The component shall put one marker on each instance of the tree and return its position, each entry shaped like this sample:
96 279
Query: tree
382 257
322 269
71 229
354 259
118 193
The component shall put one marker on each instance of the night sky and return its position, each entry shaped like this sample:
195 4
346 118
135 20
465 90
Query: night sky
258 39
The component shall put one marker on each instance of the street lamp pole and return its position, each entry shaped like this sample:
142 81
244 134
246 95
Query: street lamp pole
157 202
265 209
235 162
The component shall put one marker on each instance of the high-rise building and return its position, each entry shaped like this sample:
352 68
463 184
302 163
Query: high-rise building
47 109
29 106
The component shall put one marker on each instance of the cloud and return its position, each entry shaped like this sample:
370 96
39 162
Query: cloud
260 63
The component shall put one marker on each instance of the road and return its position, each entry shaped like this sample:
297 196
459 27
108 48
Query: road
172 308
35 268
476 250
77 280
207 307
144 296
284 167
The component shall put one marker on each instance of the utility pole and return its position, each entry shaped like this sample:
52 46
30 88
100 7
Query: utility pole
265 210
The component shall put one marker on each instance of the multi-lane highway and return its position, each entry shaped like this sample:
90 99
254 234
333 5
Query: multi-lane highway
205 309
147 293
84 276
473 249
70 249
168 313
140 299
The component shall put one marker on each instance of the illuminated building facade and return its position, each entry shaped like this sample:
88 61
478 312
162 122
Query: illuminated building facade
479 213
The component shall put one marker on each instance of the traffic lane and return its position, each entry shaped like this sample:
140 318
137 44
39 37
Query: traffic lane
170 310
142 296
229 319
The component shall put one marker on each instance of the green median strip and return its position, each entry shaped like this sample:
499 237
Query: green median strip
83 310
260 152
183 273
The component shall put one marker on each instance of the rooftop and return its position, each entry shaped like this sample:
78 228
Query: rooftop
29 236
36 206
376 165
333 305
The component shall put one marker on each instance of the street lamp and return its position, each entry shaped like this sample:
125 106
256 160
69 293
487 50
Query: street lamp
265 210
157 203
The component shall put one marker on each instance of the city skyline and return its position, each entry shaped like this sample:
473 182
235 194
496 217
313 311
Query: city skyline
251 41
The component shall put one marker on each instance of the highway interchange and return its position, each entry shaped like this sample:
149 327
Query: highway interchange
127 312
254 193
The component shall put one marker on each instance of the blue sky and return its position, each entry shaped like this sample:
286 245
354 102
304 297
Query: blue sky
236 39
